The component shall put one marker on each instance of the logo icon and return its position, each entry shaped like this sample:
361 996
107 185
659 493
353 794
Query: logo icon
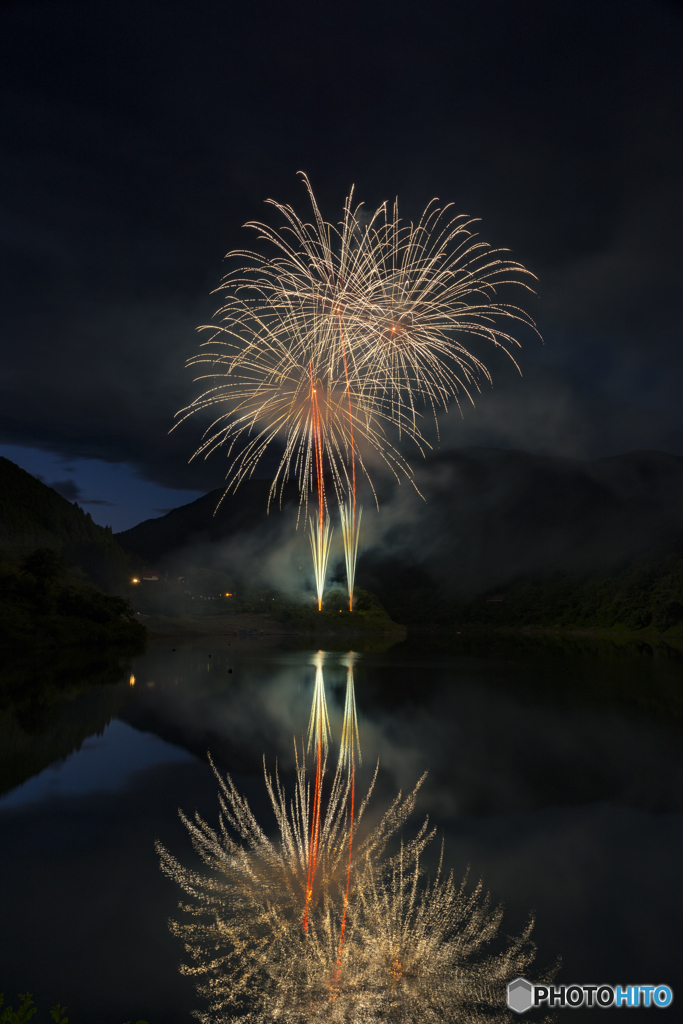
520 995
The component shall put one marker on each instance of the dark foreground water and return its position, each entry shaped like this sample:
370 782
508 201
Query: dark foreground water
555 774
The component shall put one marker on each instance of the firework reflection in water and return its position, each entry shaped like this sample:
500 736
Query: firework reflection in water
314 926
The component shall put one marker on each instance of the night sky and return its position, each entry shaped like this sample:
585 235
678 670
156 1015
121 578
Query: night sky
137 138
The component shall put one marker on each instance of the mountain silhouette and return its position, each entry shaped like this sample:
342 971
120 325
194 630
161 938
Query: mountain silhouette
488 516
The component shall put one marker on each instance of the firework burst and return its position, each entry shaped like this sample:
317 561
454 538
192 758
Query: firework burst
343 331
386 304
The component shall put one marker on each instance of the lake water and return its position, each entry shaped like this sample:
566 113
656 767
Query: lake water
555 774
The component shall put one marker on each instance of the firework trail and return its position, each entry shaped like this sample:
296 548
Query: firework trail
413 949
350 743
350 524
350 529
318 735
322 537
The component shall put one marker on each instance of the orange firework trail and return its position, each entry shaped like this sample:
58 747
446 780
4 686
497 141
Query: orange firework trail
350 531
321 537
317 433
347 758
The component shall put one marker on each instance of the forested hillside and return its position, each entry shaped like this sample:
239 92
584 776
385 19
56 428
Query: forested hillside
55 566
33 515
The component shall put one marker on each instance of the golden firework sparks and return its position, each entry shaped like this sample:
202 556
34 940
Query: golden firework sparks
279 392
344 330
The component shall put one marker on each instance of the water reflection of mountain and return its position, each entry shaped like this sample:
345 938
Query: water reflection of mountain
590 670
50 704
519 729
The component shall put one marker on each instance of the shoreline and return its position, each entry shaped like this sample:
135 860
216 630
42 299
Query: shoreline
249 625
255 625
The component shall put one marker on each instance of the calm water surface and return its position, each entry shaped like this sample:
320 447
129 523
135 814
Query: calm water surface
555 775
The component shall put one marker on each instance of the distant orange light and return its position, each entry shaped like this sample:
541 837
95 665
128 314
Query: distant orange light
228 595
132 680
135 581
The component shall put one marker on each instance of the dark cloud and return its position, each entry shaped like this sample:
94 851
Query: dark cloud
68 489
134 148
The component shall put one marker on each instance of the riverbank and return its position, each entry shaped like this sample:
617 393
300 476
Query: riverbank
42 607
259 624
328 624
672 637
